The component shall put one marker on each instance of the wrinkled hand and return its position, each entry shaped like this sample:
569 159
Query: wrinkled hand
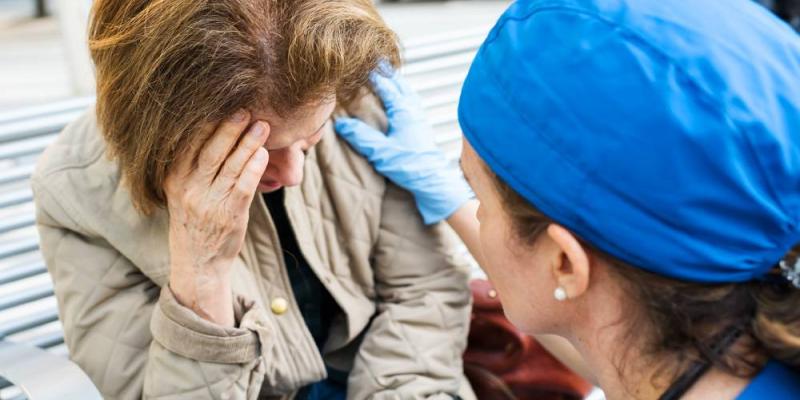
209 191
407 154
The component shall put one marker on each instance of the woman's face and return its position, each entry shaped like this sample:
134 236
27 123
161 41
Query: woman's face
289 140
520 272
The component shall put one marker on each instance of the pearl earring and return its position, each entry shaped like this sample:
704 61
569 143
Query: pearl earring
560 294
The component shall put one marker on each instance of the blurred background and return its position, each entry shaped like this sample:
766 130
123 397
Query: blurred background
43 55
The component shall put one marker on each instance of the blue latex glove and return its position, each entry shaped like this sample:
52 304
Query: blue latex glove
407 153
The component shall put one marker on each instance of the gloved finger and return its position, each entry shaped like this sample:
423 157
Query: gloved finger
394 77
387 71
362 137
387 90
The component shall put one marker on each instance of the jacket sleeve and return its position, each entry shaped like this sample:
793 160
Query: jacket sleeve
130 336
414 346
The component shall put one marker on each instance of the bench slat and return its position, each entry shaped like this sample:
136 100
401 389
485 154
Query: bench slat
449 137
46 341
22 148
18 247
15 197
441 100
44 125
26 296
436 65
36 112
29 322
438 50
16 174
22 271
16 222
443 119
438 83
446 37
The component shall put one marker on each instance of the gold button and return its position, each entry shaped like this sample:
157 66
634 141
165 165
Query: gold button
279 305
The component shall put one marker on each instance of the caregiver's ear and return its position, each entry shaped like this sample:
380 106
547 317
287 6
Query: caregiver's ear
571 268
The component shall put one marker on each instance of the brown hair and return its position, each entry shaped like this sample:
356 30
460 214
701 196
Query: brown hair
683 321
166 68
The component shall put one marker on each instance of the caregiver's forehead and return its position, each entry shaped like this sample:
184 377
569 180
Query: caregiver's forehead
473 166
468 157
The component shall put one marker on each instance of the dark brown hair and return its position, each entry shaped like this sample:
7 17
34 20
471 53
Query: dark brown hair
787 10
682 321
166 68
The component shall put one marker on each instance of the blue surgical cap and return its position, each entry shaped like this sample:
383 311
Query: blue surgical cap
663 132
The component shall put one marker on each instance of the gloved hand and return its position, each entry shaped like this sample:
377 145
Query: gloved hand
407 153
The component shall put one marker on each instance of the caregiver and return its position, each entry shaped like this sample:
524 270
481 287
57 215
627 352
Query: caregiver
638 173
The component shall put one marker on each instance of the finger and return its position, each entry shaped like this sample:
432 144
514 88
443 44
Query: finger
386 90
385 67
216 150
395 81
255 138
246 185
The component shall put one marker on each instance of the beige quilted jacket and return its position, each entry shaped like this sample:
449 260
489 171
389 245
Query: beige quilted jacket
402 286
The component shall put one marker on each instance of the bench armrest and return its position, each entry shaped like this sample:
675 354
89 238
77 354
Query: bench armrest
44 376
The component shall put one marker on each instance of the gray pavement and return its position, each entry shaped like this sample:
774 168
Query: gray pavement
33 59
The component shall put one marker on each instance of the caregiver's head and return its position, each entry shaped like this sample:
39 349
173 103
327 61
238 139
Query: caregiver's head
638 163
168 69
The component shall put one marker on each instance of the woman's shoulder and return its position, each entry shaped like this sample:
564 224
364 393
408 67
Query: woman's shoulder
77 188
78 145
74 177
776 381
336 161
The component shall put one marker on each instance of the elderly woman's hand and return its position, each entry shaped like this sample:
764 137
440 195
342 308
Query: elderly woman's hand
209 191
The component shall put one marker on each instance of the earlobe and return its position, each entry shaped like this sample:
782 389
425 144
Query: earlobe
571 269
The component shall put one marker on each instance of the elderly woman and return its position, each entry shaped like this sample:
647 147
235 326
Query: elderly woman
637 165
208 234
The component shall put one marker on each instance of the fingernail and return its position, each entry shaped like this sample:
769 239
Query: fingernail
239 116
257 130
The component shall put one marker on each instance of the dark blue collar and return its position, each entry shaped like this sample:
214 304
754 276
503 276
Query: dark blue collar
775 382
